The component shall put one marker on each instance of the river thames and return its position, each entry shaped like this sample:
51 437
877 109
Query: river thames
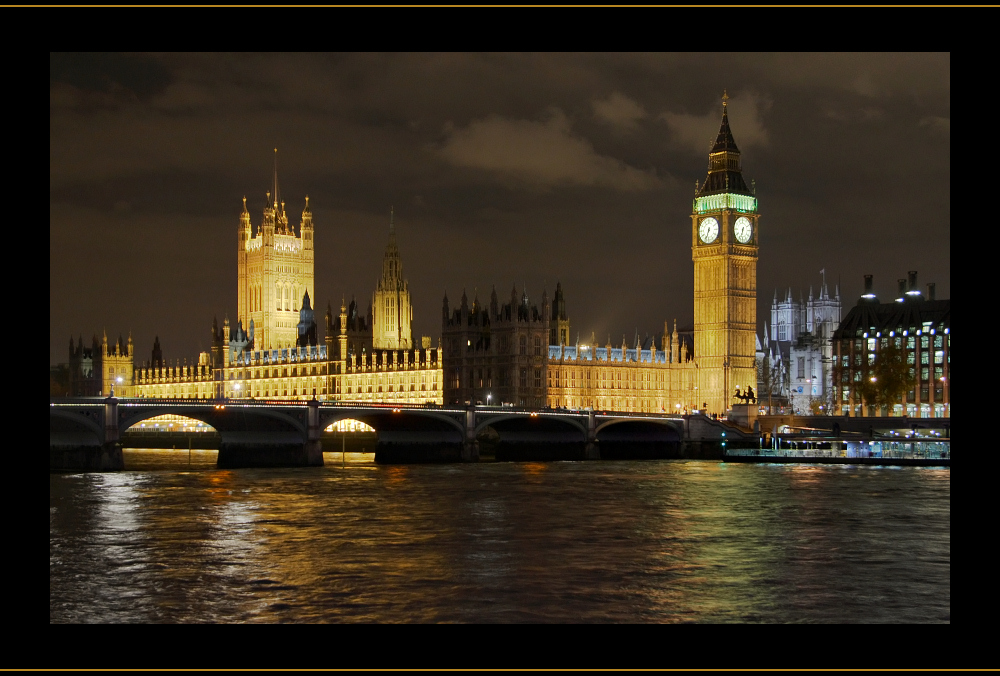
666 541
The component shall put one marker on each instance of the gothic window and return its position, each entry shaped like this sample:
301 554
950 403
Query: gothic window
524 374
538 346
277 295
523 345
782 331
801 367
538 376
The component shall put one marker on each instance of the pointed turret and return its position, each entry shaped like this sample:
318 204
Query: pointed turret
306 226
307 324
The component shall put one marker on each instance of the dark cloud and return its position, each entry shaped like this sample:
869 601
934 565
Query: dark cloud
503 169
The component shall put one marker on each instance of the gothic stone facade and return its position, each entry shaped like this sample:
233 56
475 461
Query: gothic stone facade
496 354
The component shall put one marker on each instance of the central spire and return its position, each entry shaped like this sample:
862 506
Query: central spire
725 140
392 268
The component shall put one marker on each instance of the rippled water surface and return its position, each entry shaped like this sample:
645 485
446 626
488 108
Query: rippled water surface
650 541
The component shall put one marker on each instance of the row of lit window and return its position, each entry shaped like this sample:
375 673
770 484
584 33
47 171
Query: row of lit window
351 389
911 396
925 374
911 358
925 328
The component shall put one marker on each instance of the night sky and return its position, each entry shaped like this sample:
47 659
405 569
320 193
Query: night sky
502 169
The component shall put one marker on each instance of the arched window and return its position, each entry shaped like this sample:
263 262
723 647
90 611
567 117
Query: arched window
277 294
523 345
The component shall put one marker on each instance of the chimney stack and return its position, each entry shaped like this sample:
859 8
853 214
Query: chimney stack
902 288
868 284
930 290
913 281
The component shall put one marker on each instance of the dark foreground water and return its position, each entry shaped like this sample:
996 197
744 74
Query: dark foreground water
647 541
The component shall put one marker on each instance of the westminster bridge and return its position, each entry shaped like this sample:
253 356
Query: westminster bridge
85 434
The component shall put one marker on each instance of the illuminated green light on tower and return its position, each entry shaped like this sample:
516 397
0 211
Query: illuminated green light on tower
744 203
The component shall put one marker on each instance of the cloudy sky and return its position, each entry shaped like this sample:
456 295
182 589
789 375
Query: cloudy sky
503 169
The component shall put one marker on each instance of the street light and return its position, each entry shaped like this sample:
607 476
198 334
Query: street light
488 397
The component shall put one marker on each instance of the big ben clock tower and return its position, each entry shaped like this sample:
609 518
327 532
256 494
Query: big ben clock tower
724 242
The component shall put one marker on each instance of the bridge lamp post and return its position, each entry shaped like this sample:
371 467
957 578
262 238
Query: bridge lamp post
490 396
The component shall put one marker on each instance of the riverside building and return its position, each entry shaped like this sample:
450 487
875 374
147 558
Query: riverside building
918 325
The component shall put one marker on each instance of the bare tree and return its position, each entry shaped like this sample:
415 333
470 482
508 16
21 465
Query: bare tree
887 377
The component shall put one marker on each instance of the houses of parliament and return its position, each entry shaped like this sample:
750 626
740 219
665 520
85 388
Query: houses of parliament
501 352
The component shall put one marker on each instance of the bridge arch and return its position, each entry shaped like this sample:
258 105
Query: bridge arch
675 425
74 427
625 439
232 419
385 420
527 419
535 437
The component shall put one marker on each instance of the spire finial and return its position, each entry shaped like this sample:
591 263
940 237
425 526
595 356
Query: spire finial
276 178
725 99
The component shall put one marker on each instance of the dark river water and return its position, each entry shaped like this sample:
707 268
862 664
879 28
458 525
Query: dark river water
647 541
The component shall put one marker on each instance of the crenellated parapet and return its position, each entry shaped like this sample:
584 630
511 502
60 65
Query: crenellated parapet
179 381
635 379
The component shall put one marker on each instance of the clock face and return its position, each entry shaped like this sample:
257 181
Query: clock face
708 230
743 229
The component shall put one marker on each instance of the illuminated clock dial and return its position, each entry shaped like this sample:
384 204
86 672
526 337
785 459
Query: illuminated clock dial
743 229
708 230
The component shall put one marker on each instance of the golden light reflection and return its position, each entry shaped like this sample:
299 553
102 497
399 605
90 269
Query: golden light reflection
349 425
805 474
221 485
534 468
396 474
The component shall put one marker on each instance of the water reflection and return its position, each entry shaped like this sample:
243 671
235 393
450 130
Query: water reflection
669 541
